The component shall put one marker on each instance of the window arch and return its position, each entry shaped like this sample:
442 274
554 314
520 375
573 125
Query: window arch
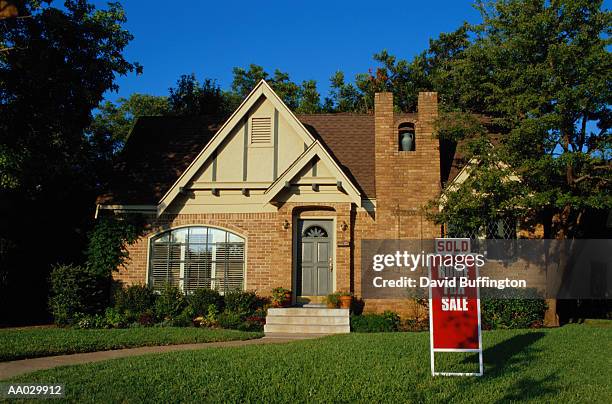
315 231
197 257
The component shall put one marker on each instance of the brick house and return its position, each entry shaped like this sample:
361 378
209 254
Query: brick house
269 198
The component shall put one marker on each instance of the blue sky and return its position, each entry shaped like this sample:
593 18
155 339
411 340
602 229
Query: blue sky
307 39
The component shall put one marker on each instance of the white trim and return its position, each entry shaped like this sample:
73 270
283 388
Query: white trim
465 173
125 208
261 89
455 350
315 149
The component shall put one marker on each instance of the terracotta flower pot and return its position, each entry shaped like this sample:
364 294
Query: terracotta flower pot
345 302
287 301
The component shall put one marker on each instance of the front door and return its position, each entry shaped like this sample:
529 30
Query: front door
315 258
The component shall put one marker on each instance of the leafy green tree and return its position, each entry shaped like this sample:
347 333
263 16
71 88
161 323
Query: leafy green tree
246 79
55 66
190 97
542 71
344 96
309 98
298 98
118 119
286 89
54 70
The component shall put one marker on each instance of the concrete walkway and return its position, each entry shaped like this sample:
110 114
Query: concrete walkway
18 367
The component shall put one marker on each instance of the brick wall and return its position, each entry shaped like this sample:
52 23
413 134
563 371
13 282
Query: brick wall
269 247
262 232
406 180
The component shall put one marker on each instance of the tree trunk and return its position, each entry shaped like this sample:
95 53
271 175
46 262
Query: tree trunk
551 318
561 232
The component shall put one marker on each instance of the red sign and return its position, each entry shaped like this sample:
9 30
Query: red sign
454 305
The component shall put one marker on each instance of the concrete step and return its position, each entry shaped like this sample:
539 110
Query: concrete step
308 320
292 336
301 320
314 306
304 311
306 329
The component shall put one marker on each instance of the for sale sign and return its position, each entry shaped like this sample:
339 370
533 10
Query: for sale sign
454 304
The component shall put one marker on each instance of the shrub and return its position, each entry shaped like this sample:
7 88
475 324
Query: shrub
184 319
254 322
170 303
86 321
242 303
211 319
113 318
134 300
251 325
512 313
230 320
415 324
201 299
146 319
387 322
76 290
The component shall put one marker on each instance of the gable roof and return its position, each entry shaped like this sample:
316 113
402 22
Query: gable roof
350 139
156 153
315 150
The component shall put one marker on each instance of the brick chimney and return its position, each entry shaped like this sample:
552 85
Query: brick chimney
405 180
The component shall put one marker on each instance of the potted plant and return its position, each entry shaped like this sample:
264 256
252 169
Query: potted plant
345 300
333 300
281 297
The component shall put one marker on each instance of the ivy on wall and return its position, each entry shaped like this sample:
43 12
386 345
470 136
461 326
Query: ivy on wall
106 250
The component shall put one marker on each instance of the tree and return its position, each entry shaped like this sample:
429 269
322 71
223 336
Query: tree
56 67
426 72
246 79
304 98
309 98
542 71
344 96
118 119
190 98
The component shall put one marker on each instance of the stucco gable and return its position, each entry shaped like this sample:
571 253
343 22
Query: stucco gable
205 166
296 172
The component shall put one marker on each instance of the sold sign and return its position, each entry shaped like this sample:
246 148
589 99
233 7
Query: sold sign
454 309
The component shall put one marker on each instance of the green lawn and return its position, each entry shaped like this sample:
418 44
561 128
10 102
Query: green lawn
22 343
569 364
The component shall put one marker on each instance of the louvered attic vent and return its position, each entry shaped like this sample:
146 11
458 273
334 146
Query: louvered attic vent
261 129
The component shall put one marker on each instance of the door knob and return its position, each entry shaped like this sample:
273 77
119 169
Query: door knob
331 265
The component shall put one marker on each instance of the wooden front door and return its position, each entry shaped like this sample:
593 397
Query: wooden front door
315 258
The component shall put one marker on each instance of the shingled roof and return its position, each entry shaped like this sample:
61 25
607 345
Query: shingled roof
159 149
350 140
157 152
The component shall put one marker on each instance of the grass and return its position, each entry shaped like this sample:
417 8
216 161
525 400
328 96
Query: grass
569 364
598 323
23 343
